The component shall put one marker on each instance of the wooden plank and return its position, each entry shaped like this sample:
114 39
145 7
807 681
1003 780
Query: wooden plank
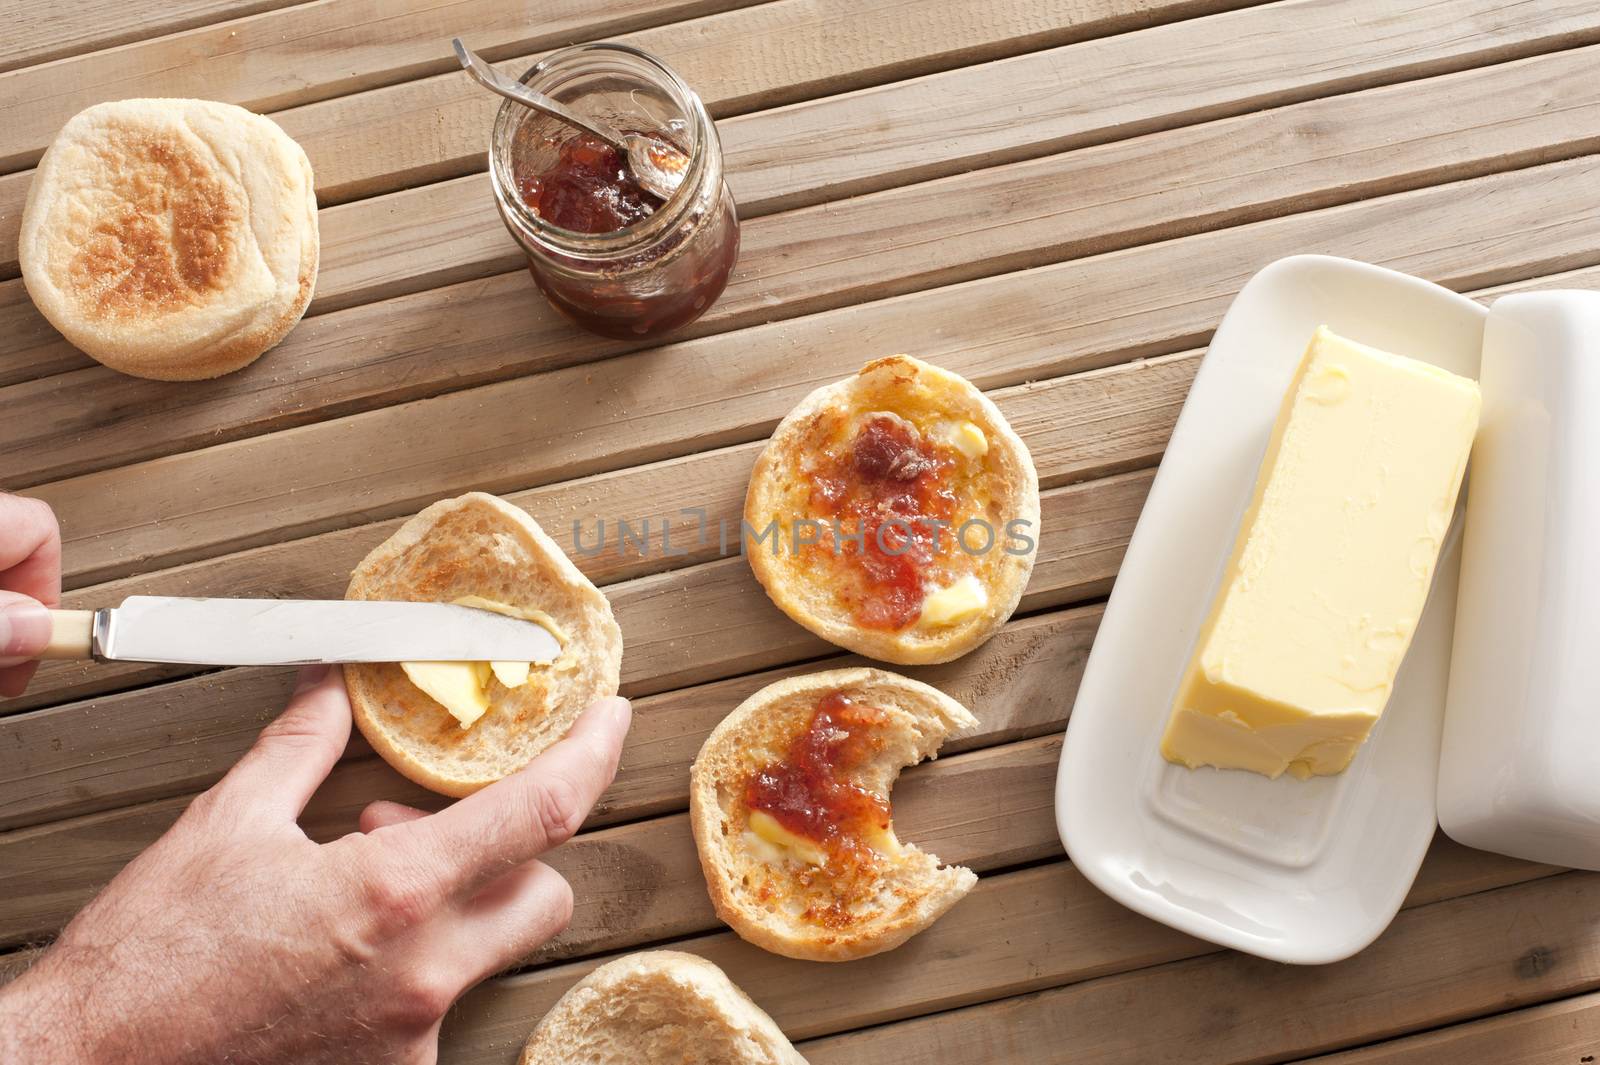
312 51
1121 84
1017 932
1437 964
41 30
778 52
170 738
1073 427
1003 219
1076 428
181 737
452 110
31 347
635 882
1025 109
515 434
687 626
1567 1032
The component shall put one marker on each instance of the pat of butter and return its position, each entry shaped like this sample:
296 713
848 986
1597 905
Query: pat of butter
453 685
766 828
1332 564
462 688
968 439
955 603
775 843
510 674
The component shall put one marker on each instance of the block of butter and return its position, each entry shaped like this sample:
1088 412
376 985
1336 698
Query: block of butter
1331 567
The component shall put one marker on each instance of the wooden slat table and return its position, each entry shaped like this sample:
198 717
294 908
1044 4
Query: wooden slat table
1056 198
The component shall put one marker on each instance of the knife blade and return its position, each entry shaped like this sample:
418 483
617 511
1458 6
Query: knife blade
262 632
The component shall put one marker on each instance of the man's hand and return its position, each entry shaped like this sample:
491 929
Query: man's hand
30 581
235 938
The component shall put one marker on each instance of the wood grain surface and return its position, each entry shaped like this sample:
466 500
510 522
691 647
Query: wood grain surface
1056 198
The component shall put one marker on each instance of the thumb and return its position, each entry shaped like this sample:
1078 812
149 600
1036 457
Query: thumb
294 754
24 628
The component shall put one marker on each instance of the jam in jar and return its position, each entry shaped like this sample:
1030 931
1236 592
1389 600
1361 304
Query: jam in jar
611 256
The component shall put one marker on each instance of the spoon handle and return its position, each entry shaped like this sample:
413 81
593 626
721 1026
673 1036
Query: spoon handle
493 80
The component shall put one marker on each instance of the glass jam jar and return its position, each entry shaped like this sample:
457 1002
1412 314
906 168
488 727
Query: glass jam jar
660 271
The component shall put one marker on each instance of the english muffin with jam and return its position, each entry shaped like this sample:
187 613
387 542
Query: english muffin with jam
171 239
895 513
789 803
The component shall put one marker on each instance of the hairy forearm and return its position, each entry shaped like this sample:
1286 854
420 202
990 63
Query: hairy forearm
42 1019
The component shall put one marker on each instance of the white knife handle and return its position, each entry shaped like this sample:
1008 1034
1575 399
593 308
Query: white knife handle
71 634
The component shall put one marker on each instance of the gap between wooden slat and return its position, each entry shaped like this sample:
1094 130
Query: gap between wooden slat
1018 932
1077 428
1557 1033
765 156
38 31
314 51
739 57
1061 429
998 331
171 738
634 882
1298 158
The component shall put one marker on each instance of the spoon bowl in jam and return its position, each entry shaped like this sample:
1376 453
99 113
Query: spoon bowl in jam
657 166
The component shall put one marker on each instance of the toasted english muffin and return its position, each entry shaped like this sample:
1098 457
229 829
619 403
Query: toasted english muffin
659 1007
480 545
171 239
864 469
834 884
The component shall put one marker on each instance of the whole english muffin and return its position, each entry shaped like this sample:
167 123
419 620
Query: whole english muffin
657 1007
171 239
841 885
480 545
885 455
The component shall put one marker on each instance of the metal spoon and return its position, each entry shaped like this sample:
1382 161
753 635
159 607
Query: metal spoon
657 166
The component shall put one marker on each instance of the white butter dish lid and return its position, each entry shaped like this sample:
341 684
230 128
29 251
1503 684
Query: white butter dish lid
1519 768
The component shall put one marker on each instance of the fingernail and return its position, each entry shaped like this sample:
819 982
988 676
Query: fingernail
310 676
24 628
619 708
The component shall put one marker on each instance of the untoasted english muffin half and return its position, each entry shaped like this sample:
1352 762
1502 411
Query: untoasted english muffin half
481 547
789 803
171 239
659 1007
895 513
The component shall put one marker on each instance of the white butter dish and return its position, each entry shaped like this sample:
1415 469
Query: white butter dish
1302 871
1519 767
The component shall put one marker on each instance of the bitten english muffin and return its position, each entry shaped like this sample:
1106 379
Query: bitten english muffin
481 551
659 1007
171 239
895 513
789 803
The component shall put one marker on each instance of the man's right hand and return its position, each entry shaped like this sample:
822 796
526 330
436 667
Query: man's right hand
237 938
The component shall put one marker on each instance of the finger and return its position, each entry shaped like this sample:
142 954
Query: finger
24 627
14 679
24 632
30 551
505 922
383 813
518 818
294 754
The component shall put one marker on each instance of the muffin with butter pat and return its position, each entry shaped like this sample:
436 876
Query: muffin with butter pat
895 513
454 727
789 804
